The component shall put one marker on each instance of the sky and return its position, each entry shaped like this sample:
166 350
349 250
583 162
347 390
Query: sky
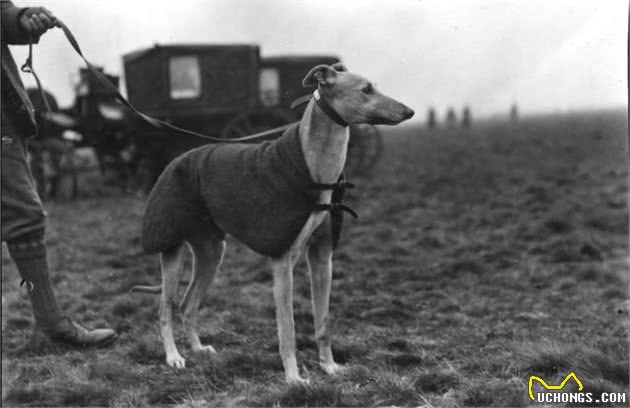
544 55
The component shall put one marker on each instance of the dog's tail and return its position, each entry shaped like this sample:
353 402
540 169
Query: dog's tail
155 289
146 289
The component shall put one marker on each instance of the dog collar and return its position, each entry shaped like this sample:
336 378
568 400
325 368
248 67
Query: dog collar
328 110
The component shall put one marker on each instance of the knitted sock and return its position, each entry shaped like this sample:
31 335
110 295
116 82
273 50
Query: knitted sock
30 259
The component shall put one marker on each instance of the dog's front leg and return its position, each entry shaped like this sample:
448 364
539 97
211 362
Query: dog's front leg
172 261
283 295
319 261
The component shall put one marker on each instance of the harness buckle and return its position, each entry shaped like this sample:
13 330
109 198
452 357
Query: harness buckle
28 283
335 208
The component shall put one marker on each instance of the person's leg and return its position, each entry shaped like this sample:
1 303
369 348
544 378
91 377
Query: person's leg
29 255
23 222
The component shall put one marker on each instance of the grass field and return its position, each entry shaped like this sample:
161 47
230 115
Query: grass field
480 258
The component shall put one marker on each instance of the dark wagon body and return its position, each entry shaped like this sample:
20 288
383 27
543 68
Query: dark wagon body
199 86
281 77
196 87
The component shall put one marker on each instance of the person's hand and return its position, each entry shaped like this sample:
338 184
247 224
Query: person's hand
37 20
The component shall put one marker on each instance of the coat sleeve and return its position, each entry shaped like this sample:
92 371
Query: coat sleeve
12 33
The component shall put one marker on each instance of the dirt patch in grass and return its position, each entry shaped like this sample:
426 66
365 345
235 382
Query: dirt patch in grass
312 395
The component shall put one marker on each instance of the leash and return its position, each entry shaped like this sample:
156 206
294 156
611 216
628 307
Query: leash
28 68
161 124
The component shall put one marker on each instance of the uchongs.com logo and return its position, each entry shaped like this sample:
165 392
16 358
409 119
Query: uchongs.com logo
556 394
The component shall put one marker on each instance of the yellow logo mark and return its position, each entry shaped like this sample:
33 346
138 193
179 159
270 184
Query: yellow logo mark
553 387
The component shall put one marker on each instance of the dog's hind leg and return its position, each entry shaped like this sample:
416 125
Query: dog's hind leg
319 261
172 267
207 258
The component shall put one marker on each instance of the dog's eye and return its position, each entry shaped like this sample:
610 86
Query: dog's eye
367 89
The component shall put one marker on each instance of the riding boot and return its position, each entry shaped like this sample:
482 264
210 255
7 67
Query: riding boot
30 259
31 262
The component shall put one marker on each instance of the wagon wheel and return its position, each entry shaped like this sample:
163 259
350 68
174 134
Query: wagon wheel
364 149
256 120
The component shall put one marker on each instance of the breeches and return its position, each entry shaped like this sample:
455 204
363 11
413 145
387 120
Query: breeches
22 215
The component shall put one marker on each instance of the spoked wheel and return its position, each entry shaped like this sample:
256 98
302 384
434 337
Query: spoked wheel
256 120
364 149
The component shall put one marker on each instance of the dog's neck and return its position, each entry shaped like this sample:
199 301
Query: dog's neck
324 144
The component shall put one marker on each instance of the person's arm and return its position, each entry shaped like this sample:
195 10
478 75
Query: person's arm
24 25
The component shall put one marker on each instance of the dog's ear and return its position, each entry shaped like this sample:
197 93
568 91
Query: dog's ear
323 75
339 67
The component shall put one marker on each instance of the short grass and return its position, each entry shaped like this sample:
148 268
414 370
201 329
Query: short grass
480 258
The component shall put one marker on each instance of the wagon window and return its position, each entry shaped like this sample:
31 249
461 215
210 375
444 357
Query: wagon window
269 87
185 77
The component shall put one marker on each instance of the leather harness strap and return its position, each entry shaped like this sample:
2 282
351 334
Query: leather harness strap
335 207
340 184
338 189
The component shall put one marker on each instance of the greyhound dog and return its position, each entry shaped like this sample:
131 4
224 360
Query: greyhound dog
200 197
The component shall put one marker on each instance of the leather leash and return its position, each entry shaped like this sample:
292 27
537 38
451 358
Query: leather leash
28 68
161 124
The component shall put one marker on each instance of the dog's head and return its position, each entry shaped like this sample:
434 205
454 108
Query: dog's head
355 98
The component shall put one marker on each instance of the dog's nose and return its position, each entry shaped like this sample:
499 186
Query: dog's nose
408 113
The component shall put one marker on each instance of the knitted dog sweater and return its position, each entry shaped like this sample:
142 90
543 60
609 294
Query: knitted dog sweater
262 194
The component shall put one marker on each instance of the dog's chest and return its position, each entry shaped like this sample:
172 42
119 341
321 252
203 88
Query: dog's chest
262 195
314 221
325 196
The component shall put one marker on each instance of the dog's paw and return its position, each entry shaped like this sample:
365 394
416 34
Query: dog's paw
176 361
297 380
333 368
205 349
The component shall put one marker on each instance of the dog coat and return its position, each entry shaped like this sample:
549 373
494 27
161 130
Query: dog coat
262 194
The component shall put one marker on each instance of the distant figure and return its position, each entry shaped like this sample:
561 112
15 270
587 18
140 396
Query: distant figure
466 119
514 114
451 119
431 123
